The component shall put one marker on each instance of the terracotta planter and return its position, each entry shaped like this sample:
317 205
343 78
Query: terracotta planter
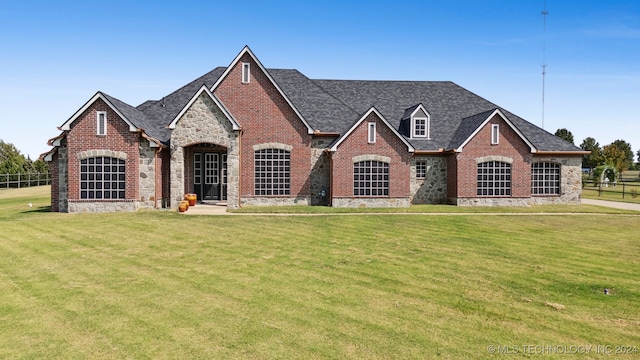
183 206
191 198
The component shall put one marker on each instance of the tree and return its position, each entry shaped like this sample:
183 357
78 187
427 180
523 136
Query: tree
11 161
595 159
565 134
625 147
618 154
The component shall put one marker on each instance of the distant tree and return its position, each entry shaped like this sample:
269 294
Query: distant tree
11 161
595 159
565 134
638 154
618 154
625 147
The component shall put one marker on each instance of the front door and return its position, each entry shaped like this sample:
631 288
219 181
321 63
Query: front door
209 176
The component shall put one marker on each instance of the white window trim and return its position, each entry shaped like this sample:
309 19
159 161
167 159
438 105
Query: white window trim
427 126
495 134
104 125
371 133
246 72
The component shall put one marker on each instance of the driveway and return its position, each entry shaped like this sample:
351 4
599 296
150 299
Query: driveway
612 204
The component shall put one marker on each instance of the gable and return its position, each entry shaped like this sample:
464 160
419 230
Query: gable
246 78
471 126
204 91
107 100
377 115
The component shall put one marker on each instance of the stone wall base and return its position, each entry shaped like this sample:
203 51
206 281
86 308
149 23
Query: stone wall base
370 202
103 206
275 201
550 200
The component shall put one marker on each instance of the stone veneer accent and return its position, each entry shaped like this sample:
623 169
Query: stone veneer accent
372 202
100 152
275 201
63 176
433 188
148 173
203 123
570 188
103 205
320 171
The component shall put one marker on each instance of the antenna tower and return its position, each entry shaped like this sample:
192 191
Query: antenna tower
544 48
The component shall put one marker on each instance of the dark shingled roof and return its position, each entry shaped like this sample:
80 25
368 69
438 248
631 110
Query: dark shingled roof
334 105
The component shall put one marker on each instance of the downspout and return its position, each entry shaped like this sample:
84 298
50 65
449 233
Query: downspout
330 192
155 182
240 166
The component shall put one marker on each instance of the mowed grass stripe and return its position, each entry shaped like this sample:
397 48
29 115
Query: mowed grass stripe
156 284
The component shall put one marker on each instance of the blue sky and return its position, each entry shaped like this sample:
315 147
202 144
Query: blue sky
54 55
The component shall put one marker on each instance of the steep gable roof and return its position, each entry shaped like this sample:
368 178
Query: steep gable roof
373 110
470 126
205 90
247 51
129 114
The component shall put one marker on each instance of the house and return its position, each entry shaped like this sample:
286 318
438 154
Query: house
248 135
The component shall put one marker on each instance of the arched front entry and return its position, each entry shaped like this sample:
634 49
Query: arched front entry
206 172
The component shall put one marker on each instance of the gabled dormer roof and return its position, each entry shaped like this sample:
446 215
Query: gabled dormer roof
373 110
247 51
470 126
411 112
127 113
205 90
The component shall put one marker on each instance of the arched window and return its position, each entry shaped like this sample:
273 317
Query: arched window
494 179
545 178
102 177
370 178
272 172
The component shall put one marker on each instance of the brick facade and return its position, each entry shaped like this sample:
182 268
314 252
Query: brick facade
387 145
266 117
245 115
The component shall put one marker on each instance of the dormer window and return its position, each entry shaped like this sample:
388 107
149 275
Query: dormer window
416 121
246 73
421 127
101 123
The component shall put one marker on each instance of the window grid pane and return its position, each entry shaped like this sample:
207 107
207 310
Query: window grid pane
272 169
102 178
421 169
494 179
371 178
545 178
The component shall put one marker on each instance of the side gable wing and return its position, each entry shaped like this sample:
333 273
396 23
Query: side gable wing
204 89
470 127
341 139
235 61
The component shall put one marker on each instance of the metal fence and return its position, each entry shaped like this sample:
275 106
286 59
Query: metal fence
15 181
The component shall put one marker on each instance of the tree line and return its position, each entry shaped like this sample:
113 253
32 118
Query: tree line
618 154
13 162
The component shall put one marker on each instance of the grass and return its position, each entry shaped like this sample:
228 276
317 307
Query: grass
157 284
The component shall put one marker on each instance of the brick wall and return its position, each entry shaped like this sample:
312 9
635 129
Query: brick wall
265 117
82 137
510 146
387 144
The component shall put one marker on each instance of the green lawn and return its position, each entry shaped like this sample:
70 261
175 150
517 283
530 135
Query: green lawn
160 285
